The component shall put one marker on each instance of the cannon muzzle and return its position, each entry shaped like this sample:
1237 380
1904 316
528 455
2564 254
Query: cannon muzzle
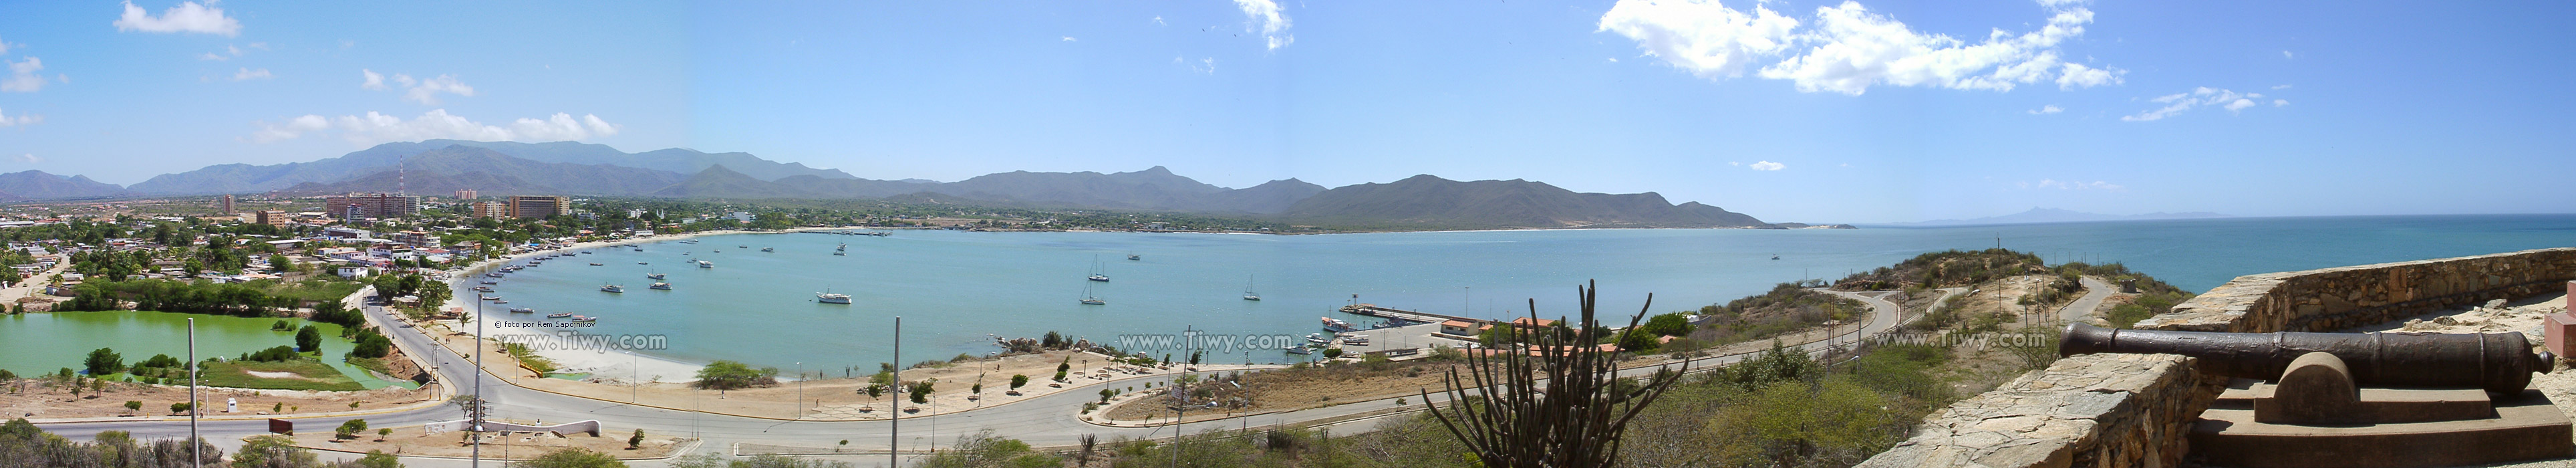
2497 362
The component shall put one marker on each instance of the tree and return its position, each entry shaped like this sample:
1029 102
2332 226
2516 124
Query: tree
272 451
1519 410
571 458
1332 353
977 389
379 459
1018 380
133 406
104 361
875 390
728 375
1670 324
350 429
308 339
280 263
636 441
382 433
179 408
920 392
1105 393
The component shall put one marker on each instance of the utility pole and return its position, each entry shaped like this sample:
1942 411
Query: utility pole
474 410
894 430
1180 394
196 457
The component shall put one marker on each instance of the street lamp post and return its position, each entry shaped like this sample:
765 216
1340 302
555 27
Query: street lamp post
195 455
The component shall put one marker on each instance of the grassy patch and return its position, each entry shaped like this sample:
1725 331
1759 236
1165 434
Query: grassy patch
529 358
376 365
315 376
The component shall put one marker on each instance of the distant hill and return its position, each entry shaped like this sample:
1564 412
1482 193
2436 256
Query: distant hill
245 178
457 167
1429 201
2053 215
719 182
39 185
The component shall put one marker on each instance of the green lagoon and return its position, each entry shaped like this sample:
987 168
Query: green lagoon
43 343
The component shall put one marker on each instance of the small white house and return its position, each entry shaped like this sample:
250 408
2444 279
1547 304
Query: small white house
352 271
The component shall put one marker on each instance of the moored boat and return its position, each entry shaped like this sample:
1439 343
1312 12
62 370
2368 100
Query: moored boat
612 288
559 315
661 286
831 298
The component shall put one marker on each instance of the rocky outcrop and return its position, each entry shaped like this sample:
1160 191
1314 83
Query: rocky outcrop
2347 297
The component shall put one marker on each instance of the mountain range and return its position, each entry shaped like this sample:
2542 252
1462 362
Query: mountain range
2053 215
570 168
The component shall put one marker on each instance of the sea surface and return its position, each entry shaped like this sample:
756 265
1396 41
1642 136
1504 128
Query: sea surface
955 290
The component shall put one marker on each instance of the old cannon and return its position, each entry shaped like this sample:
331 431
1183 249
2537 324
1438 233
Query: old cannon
2497 362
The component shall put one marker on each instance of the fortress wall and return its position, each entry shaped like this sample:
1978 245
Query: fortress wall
2136 410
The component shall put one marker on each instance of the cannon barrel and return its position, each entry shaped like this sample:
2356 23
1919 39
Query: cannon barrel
2497 362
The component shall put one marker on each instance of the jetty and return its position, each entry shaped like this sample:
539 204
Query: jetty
1373 310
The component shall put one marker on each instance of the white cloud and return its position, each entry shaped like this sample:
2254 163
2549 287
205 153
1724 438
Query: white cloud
1070 39
5 45
21 119
2286 54
1700 36
1767 166
374 128
249 74
2281 87
22 76
2047 109
426 91
187 17
1158 21
1848 48
1266 17
29 158
1204 66
1856 49
2177 103
374 80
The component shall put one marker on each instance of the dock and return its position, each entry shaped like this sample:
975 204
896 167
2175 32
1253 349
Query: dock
1373 310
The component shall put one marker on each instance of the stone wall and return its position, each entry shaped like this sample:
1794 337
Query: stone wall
2346 297
2091 410
2136 410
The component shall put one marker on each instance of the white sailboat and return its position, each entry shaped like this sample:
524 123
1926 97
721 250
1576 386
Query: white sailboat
1247 290
1089 299
1097 272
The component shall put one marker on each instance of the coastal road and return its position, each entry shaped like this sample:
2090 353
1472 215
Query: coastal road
1047 420
2095 290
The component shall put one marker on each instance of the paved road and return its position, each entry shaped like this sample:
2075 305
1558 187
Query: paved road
1047 420
2095 290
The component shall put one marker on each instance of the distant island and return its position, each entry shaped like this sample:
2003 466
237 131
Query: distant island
2053 215
1418 203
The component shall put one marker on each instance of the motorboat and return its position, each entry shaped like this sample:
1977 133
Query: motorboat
661 286
594 263
500 301
831 298
559 315
1317 338
769 249
1295 349
706 264
522 310
654 275
1133 257
612 288
584 318
1337 325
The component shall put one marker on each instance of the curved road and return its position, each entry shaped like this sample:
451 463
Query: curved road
1047 420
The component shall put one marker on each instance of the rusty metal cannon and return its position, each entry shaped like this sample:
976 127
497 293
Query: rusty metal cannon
2497 362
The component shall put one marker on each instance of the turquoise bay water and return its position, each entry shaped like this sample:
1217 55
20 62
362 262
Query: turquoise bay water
954 288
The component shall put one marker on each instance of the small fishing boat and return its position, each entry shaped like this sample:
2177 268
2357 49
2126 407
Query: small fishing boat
612 288
706 264
584 318
1337 325
830 298
661 286
1295 349
500 301
594 263
1133 257
769 249
522 310
1317 338
559 315
654 275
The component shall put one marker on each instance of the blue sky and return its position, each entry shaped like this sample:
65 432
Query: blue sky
1787 110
